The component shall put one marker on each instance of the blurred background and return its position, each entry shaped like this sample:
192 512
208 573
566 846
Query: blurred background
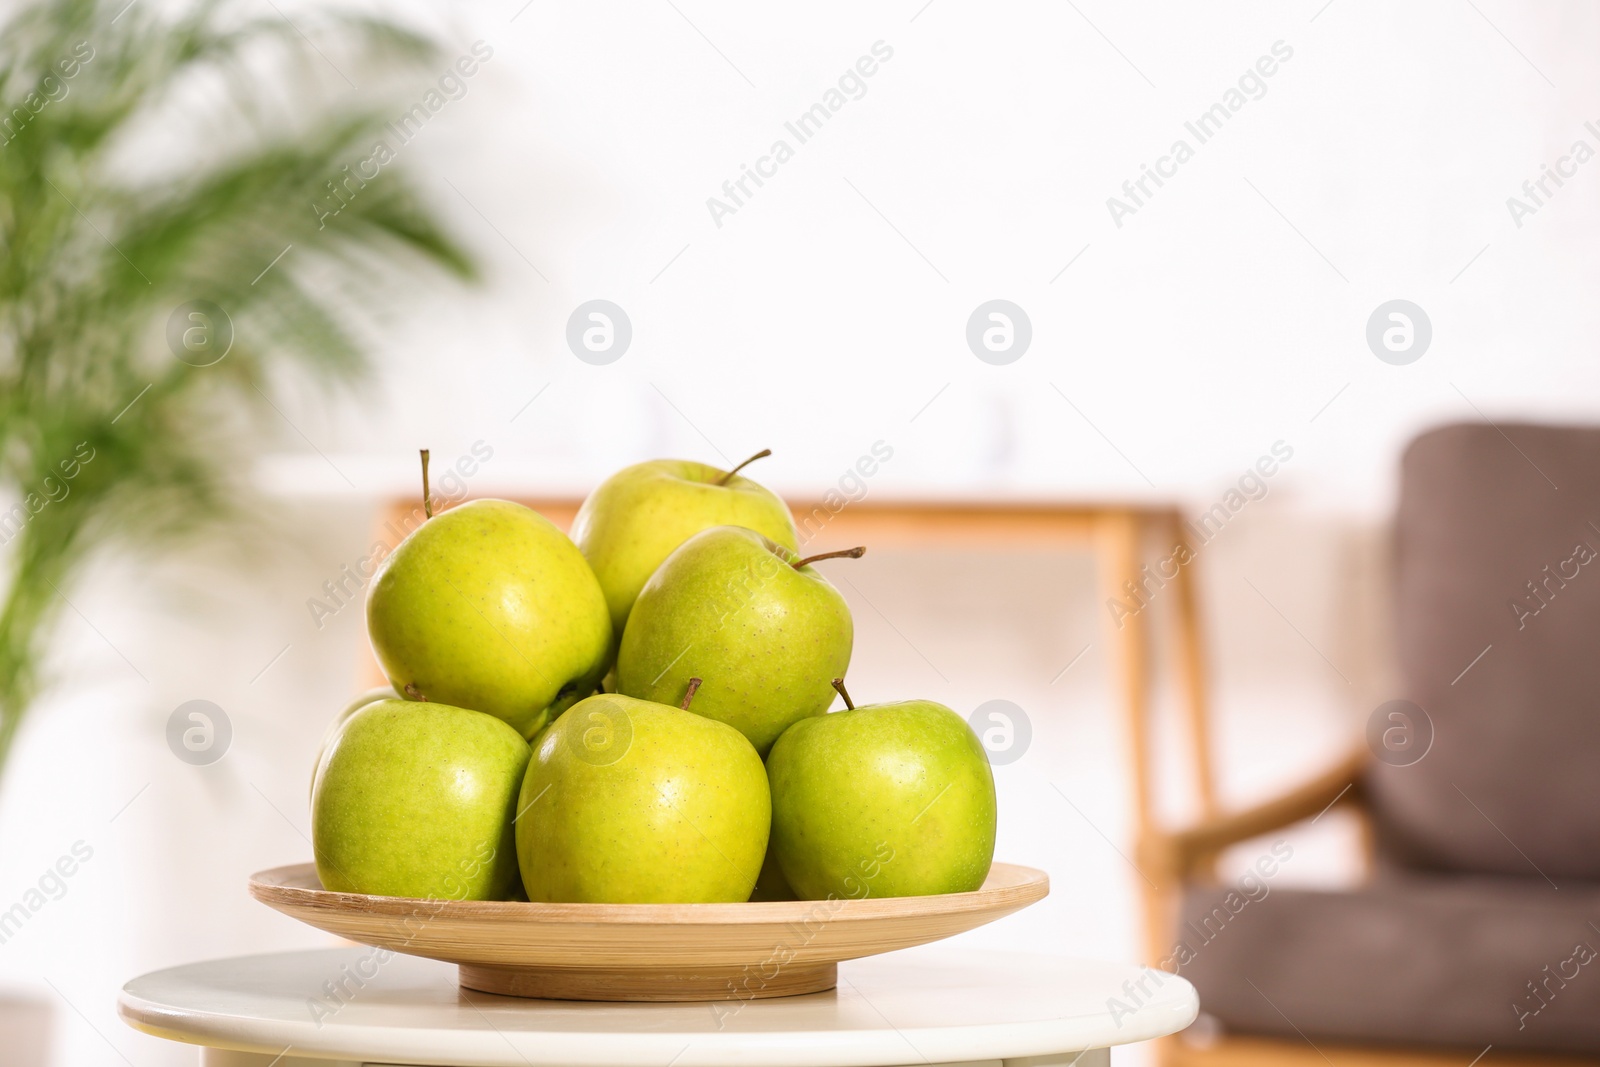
1172 341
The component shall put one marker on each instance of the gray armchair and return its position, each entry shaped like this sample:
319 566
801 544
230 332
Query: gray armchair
1480 930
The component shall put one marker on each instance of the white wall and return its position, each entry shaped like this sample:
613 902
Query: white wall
1189 340
1194 336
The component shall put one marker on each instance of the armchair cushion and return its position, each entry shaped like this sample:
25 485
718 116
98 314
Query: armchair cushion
1458 961
1498 623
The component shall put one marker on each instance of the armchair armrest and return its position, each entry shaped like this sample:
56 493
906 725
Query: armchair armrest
1172 857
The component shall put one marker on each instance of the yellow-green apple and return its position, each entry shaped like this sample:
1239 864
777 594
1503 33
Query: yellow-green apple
636 517
489 606
882 800
371 696
417 800
769 883
760 625
632 802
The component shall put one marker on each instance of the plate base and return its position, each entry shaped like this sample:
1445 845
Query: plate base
646 952
651 984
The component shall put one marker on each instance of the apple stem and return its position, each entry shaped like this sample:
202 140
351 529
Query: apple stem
694 687
427 500
838 683
763 454
844 553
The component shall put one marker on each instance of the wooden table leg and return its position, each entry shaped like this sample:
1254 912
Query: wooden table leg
1123 534
1192 667
1124 549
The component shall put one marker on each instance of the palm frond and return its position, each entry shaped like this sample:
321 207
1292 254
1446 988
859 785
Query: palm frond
99 246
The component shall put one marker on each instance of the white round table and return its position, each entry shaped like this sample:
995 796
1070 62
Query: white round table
930 1005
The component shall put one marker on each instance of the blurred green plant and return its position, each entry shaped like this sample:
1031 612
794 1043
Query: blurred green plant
148 161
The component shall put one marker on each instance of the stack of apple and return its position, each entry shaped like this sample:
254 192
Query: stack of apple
636 715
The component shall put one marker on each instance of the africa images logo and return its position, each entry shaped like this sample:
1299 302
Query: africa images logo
1251 85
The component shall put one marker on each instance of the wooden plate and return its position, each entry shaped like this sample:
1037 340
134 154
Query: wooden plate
670 952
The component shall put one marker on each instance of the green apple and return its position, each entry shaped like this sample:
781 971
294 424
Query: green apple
884 800
631 802
417 800
762 627
769 883
371 696
636 517
488 606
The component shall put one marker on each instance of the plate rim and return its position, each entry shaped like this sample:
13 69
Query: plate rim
1027 885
